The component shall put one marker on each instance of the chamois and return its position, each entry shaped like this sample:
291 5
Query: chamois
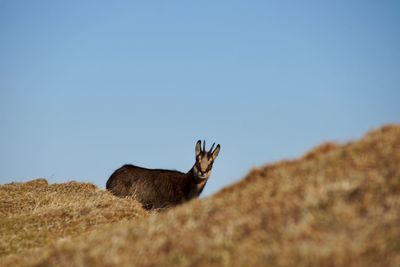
158 188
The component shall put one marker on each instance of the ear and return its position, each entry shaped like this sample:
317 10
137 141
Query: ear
198 148
214 154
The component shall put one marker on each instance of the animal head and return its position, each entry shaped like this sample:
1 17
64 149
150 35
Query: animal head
204 160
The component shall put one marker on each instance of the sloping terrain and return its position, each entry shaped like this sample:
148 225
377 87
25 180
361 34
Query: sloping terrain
35 213
339 205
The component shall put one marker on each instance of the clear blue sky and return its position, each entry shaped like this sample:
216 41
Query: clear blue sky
86 86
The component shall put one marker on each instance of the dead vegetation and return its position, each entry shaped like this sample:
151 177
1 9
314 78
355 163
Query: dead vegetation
339 205
35 213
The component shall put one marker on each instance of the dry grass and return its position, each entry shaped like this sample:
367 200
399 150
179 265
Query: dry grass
336 206
35 213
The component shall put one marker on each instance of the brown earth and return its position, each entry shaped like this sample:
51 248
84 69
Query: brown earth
339 205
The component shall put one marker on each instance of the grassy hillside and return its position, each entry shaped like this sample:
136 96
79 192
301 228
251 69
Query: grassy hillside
339 205
35 213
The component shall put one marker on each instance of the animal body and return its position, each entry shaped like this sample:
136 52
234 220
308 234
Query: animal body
158 188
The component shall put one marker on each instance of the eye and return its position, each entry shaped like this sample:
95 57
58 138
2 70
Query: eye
209 167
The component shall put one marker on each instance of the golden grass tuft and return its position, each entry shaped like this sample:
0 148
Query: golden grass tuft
339 205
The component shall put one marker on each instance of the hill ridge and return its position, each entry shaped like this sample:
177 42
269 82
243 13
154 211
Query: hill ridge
336 205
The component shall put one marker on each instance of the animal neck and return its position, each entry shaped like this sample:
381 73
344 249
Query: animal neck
197 184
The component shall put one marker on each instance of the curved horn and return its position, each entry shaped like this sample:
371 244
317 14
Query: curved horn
204 145
211 149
